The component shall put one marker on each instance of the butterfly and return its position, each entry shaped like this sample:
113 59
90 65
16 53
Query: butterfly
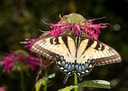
75 54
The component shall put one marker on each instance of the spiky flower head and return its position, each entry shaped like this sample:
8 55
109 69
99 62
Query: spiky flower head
76 25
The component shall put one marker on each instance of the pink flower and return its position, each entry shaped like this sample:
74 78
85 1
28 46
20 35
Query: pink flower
18 59
8 62
28 43
94 30
58 29
2 88
32 61
89 29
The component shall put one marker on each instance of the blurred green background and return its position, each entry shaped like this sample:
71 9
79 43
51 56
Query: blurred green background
21 19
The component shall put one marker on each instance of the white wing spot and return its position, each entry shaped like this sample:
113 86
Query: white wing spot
61 68
78 74
65 70
83 72
59 62
86 71
90 66
69 73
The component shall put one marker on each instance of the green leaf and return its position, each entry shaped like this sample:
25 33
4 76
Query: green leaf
39 83
43 81
37 86
95 84
68 88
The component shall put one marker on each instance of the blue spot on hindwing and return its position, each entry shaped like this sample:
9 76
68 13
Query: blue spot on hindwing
80 68
83 67
61 58
77 67
86 65
66 66
72 66
63 63
69 67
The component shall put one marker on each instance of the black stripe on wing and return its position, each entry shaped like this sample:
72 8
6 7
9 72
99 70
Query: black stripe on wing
43 47
50 47
90 42
54 40
110 54
65 40
77 42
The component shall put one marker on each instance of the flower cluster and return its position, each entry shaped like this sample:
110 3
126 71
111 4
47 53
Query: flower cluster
19 60
59 28
28 43
2 88
89 29
72 24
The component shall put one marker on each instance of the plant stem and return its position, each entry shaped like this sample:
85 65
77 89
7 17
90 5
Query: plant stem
22 81
45 86
75 82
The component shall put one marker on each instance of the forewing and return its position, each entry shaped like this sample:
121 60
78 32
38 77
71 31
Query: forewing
54 47
101 53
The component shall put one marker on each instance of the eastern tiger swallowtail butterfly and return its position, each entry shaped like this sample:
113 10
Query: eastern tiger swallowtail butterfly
76 54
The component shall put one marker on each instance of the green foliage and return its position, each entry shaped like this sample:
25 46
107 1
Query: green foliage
43 82
20 67
68 88
95 84
40 83
92 83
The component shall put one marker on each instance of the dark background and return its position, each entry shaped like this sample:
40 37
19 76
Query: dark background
20 19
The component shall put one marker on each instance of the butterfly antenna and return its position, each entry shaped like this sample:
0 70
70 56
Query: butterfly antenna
99 18
42 31
45 22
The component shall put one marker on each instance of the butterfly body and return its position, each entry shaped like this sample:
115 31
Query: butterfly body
75 54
